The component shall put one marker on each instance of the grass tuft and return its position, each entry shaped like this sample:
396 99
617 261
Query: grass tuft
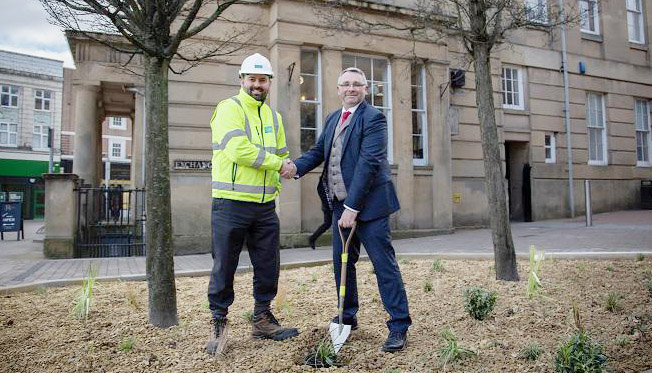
127 345
533 282
82 304
451 350
438 265
531 352
613 302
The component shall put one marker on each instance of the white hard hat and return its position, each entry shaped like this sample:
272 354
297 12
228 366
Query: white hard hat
256 64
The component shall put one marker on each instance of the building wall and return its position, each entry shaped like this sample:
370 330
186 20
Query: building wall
448 189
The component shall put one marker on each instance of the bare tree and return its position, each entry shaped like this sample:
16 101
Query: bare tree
480 25
155 29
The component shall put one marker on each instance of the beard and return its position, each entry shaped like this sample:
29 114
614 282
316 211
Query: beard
259 95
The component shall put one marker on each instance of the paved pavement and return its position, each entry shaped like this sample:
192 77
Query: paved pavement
613 235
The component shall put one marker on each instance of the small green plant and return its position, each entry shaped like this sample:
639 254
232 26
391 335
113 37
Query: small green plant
323 355
302 287
533 283
622 340
581 268
313 277
610 268
248 316
132 299
405 261
613 302
640 257
451 350
479 303
42 290
438 265
648 286
127 345
427 286
82 304
580 354
531 352
205 305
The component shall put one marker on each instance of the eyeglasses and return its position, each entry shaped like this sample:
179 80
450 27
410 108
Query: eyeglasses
353 85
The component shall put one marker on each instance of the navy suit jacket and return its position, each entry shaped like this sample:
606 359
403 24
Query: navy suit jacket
364 164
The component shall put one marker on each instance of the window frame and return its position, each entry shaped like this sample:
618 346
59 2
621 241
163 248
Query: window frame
603 136
43 136
9 133
553 147
43 100
647 110
596 16
537 5
122 126
319 102
641 21
422 112
123 149
387 110
520 85
11 95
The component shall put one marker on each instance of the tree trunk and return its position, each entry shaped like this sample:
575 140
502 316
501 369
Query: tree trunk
160 256
504 254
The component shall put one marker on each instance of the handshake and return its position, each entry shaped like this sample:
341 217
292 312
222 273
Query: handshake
288 169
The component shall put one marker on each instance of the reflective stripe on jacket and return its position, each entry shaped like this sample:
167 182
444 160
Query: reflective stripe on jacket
248 149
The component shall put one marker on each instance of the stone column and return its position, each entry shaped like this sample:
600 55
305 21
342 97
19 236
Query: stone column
284 97
331 66
60 215
87 133
137 161
402 122
440 145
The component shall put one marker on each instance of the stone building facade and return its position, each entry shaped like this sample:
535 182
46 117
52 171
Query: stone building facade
30 104
434 134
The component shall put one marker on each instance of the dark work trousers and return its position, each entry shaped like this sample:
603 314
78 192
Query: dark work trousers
377 241
233 222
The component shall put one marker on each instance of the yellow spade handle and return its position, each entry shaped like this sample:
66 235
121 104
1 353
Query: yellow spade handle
343 265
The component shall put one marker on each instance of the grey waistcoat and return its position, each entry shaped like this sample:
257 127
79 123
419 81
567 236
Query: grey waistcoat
335 181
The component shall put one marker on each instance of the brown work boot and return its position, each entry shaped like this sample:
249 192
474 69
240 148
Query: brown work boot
266 327
217 343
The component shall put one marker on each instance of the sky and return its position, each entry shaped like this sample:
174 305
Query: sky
24 28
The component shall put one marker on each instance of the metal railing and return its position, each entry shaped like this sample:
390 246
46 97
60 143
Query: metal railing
110 222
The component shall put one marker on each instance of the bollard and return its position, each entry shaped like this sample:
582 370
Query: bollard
587 203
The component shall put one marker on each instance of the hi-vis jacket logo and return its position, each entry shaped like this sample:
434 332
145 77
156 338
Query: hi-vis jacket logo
268 129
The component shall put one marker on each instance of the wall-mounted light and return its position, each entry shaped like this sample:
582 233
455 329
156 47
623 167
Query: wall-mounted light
300 79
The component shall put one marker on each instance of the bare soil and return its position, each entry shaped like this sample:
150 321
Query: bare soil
38 333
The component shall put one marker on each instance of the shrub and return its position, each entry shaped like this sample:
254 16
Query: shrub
427 286
580 355
451 350
479 303
438 265
531 351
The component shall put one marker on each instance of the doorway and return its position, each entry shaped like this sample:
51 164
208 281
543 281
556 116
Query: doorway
517 173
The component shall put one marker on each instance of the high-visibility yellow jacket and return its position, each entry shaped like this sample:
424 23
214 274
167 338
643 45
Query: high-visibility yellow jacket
248 149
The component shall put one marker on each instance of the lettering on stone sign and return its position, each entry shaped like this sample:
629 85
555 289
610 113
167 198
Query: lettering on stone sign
192 165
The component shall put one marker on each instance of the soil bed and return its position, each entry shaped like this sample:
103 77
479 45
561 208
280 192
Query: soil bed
37 332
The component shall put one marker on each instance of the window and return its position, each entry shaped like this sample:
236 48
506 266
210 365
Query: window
512 80
419 119
536 11
117 149
550 145
635 25
9 95
42 100
40 137
310 99
377 71
596 128
119 123
589 16
642 109
8 134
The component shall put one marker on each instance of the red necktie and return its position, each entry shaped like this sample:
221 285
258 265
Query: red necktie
344 116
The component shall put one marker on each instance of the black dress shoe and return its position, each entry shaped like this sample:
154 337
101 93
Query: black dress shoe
311 242
353 323
396 341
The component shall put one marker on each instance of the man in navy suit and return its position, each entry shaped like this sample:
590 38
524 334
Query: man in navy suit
357 182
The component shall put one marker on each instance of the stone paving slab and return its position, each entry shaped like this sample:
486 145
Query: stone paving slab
624 234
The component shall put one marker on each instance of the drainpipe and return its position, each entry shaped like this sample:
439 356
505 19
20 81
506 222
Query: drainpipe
569 143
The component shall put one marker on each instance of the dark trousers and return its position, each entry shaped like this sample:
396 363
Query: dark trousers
328 216
377 241
233 222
